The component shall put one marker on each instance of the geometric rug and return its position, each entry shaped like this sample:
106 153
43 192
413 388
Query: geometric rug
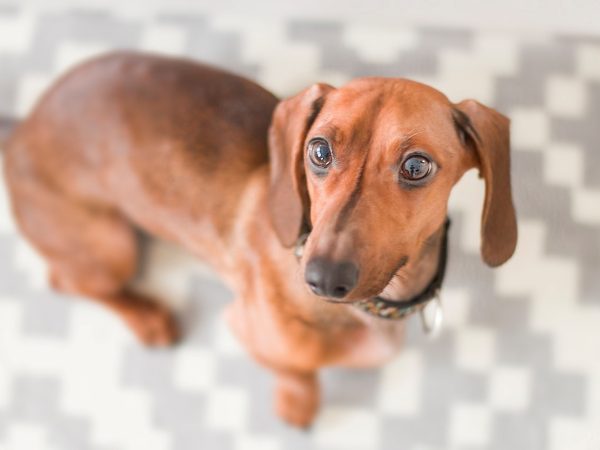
517 365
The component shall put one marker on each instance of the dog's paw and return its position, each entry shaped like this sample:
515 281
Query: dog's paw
297 400
153 324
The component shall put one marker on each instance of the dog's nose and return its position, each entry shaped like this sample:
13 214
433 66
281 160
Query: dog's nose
331 279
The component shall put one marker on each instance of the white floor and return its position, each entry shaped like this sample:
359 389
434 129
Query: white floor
573 17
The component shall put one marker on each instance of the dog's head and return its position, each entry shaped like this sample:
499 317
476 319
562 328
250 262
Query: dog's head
370 166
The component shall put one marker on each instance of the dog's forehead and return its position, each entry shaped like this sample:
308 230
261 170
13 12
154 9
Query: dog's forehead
374 102
389 91
385 110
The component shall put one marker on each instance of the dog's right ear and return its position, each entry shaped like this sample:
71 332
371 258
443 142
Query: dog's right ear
289 204
487 132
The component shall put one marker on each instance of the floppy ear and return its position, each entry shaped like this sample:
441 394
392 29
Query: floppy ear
487 132
288 194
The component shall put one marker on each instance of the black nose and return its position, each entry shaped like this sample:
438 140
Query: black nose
331 279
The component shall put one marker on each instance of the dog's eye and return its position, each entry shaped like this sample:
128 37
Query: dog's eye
319 152
416 167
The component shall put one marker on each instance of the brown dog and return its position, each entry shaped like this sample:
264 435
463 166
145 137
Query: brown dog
180 150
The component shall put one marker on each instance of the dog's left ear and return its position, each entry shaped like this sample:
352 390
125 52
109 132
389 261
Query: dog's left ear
289 203
486 131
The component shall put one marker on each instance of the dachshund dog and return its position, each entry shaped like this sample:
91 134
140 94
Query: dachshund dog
215 163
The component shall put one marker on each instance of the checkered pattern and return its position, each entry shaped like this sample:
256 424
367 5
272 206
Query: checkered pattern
518 364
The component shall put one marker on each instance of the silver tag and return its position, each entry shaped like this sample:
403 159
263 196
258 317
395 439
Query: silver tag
432 316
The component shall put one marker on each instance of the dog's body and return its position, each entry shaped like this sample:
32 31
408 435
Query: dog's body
180 150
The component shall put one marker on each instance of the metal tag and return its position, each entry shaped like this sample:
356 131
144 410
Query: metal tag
432 316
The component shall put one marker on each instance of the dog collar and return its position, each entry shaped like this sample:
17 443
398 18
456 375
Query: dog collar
399 309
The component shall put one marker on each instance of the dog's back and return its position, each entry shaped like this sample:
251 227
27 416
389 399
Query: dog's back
140 132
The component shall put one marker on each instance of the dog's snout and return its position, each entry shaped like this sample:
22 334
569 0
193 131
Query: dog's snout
331 279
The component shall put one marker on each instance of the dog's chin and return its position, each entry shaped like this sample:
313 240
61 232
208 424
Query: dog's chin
395 289
391 292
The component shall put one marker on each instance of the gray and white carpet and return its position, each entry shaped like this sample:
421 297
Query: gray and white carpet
518 364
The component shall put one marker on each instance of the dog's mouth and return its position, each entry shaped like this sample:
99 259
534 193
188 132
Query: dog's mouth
338 301
407 286
395 288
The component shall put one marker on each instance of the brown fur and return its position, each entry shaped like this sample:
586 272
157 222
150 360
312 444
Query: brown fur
180 150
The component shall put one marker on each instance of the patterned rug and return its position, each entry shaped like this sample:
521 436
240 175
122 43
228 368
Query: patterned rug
518 363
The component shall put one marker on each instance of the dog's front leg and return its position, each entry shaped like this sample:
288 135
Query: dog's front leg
297 393
297 397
